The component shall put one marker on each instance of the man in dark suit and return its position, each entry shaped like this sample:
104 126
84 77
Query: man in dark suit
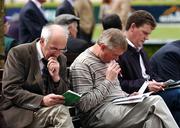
166 61
135 64
34 80
66 8
31 21
75 45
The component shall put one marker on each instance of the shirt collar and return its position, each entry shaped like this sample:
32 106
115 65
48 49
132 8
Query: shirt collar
40 54
132 45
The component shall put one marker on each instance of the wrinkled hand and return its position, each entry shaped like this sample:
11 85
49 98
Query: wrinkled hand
134 93
52 99
53 68
155 86
112 71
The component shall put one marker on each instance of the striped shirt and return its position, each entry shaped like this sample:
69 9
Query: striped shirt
88 76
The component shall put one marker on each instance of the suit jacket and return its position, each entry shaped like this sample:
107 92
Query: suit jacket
65 8
76 45
166 61
30 23
132 79
23 87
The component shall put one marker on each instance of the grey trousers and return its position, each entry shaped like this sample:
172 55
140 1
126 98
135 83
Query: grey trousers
52 117
151 113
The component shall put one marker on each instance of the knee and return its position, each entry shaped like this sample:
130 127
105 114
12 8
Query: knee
62 108
156 99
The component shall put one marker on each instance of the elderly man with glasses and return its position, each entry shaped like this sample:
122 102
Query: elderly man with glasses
34 80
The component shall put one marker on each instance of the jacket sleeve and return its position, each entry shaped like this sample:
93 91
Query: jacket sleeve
14 82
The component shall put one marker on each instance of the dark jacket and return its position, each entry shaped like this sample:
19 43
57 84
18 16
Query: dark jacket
30 23
132 79
23 88
166 61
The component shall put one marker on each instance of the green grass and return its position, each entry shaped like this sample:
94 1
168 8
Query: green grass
97 3
165 32
162 32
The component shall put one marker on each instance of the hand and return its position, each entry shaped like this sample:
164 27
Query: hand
155 86
52 99
53 68
134 93
112 71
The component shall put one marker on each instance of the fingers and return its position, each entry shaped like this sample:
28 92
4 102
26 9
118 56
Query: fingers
53 64
115 66
113 70
52 99
134 93
155 87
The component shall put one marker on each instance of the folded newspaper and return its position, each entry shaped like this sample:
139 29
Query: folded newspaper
171 84
132 99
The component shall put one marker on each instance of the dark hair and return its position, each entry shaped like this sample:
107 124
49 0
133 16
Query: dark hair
111 21
140 18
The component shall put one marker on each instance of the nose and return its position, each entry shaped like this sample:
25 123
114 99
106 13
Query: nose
57 53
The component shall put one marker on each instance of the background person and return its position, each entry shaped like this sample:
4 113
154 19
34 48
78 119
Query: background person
31 21
67 7
74 45
111 21
122 9
87 22
32 90
166 61
9 41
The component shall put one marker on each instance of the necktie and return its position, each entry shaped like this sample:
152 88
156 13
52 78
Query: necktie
45 76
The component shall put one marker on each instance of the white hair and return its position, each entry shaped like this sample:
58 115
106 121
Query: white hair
47 31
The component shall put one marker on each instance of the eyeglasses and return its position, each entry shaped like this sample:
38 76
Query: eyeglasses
64 50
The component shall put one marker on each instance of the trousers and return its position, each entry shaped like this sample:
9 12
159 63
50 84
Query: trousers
174 103
52 117
151 113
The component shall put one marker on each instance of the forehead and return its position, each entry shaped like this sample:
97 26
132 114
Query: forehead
146 28
118 51
58 40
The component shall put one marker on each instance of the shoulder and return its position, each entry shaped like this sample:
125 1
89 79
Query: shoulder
29 6
86 60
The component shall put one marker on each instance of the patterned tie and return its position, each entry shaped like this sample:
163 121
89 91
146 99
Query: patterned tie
45 76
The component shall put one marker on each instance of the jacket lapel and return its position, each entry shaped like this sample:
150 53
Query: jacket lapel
36 67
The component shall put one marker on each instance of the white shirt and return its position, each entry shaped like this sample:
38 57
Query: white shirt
143 69
40 55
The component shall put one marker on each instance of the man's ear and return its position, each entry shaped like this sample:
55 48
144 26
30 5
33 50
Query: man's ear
42 41
133 26
102 46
